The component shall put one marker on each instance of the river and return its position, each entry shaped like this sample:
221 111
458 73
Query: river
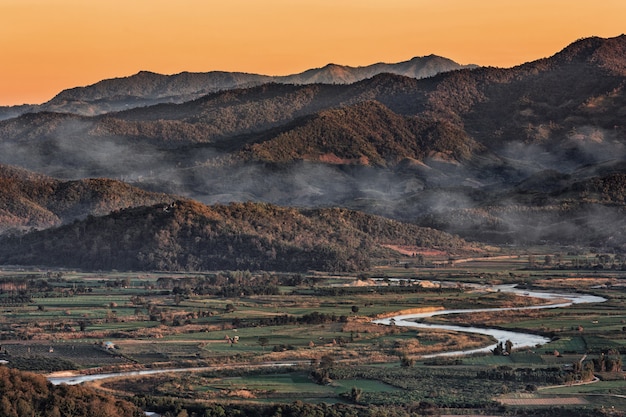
519 340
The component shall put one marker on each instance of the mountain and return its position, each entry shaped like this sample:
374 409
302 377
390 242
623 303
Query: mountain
418 67
148 88
485 152
187 235
367 133
582 213
34 201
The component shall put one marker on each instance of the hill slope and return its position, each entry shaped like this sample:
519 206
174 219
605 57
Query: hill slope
27 394
29 200
190 236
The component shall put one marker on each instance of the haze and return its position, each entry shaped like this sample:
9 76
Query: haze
48 46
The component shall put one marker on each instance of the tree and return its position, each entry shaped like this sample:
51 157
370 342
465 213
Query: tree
355 309
356 394
327 362
406 361
263 341
321 375
498 350
508 346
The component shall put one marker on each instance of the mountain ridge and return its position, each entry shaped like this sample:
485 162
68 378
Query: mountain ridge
148 88
472 144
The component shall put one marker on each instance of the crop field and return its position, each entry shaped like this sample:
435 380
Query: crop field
322 328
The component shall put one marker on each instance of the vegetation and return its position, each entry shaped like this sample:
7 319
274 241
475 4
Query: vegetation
367 133
501 155
189 236
25 394
276 304
236 323
32 200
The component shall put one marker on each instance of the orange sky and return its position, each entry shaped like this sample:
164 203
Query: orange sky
50 45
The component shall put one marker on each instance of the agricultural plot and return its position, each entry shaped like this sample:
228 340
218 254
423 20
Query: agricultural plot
73 355
323 326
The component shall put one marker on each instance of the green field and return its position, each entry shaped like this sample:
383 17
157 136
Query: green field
59 321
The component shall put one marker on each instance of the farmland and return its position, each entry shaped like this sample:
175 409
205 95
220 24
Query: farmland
231 326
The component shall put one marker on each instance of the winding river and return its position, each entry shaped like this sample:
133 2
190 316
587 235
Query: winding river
519 340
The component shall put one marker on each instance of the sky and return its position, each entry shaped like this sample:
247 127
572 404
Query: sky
50 45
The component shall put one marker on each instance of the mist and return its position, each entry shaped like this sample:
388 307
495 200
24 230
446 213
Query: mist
479 198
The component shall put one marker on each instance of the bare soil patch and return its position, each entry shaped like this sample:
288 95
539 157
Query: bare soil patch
416 250
544 401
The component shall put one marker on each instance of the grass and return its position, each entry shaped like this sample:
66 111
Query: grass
574 344
516 359
287 387
601 387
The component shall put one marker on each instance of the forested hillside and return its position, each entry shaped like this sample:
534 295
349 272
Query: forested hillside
190 236
25 394
29 200
367 133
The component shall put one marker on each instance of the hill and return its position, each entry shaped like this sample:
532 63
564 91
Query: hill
29 200
367 133
550 207
190 236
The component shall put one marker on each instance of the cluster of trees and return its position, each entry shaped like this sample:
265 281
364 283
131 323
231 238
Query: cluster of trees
177 408
25 394
19 298
440 386
169 407
534 375
197 284
609 189
392 289
610 361
503 348
312 318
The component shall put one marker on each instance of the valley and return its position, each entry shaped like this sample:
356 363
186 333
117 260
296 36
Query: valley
256 338
320 244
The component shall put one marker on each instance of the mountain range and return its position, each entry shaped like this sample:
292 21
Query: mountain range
148 88
521 155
